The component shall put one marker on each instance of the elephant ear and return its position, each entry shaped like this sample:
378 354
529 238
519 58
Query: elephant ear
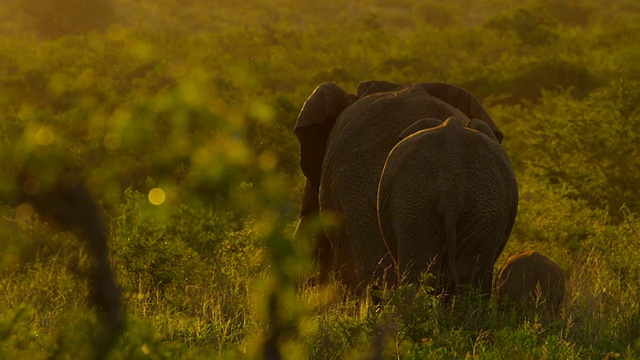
482 127
315 121
463 101
375 86
421 124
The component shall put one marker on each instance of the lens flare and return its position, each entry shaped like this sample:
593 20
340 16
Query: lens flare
157 196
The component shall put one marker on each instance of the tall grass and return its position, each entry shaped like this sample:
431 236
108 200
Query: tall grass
178 116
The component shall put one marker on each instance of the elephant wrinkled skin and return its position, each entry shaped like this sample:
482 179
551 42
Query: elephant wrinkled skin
447 202
532 281
344 142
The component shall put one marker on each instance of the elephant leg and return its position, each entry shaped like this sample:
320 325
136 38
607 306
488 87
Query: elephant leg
477 271
420 260
321 250
485 280
308 212
309 230
323 257
341 258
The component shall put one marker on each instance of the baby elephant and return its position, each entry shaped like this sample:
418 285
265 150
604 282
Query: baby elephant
533 281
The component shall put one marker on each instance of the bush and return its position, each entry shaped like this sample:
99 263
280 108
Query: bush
55 18
152 259
198 99
601 167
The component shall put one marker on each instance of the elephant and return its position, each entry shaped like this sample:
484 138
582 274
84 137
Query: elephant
447 201
532 281
344 141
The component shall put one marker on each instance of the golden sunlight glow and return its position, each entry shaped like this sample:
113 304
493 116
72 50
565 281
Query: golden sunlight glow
145 349
112 141
156 196
24 212
262 112
267 160
58 84
44 136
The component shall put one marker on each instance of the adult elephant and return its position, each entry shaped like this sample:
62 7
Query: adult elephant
447 201
344 141
532 281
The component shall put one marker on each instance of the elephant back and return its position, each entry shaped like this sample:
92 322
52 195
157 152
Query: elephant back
363 136
447 192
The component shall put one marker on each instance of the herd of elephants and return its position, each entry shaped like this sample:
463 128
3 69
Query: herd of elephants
413 175
415 179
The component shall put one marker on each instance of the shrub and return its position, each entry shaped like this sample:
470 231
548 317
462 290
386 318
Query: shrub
589 147
55 18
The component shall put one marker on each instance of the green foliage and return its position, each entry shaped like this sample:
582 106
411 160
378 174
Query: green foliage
600 168
152 257
61 17
531 28
180 114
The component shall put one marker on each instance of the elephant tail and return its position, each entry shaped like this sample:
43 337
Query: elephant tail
450 251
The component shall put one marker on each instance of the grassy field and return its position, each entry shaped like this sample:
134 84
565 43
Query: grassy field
179 115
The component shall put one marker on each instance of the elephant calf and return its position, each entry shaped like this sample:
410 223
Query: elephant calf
532 280
447 201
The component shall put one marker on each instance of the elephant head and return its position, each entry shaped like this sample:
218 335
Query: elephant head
314 124
531 280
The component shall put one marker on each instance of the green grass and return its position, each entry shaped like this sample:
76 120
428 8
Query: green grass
199 100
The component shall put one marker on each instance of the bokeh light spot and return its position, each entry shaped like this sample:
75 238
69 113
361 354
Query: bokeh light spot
262 112
112 141
24 212
142 50
44 136
156 196
58 84
267 160
117 32
31 186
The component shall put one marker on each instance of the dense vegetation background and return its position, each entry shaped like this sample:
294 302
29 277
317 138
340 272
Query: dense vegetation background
179 116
